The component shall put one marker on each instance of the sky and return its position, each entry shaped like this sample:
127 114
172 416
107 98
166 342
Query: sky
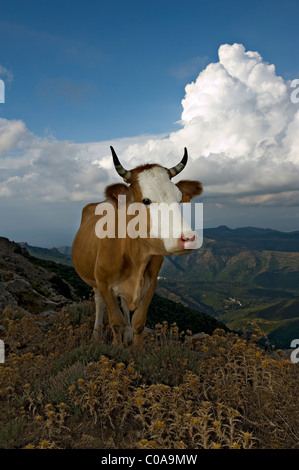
149 78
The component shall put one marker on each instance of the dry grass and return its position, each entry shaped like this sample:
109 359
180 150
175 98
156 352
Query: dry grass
58 390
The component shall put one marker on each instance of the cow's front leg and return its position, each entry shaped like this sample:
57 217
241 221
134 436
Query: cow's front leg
140 314
99 324
116 318
149 288
128 333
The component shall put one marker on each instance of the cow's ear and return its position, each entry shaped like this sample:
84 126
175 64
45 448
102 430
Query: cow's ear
113 191
189 189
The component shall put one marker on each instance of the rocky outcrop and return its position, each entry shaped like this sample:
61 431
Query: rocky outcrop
27 285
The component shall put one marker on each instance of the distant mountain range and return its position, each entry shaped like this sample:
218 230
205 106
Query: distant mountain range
240 276
257 238
60 255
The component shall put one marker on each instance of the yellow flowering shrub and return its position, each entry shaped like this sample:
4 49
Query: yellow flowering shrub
59 390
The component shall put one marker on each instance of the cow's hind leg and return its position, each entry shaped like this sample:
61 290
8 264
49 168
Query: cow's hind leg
98 330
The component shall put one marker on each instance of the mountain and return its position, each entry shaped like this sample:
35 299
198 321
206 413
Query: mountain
236 275
65 250
59 255
257 238
25 284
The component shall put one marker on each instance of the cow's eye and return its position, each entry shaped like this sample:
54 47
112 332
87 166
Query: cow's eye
146 201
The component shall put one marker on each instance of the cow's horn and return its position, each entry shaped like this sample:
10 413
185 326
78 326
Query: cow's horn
125 174
175 170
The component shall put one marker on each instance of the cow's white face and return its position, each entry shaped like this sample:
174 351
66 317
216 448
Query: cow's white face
163 198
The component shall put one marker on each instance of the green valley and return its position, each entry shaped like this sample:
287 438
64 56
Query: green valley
242 277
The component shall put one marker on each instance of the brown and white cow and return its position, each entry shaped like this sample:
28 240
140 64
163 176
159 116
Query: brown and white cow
123 269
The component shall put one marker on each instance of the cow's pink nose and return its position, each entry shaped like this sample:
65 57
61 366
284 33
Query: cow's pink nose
187 238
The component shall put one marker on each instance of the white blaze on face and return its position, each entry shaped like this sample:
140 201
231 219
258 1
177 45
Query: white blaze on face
167 222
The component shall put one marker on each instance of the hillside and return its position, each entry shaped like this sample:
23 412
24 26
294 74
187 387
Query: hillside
236 274
219 391
254 237
59 390
25 284
279 320
45 286
60 255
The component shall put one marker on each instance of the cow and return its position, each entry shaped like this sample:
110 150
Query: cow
123 269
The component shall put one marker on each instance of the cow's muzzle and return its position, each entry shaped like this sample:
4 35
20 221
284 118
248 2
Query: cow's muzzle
188 241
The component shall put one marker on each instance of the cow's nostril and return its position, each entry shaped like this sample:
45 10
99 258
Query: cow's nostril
186 238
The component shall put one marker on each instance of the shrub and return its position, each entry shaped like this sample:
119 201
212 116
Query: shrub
59 390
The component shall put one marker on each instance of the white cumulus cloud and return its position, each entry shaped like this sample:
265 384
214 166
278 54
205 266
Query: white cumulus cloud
11 132
238 123
241 130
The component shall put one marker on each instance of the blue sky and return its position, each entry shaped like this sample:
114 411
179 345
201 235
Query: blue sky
95 73
100 70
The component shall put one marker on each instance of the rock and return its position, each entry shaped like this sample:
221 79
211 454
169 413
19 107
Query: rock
25 284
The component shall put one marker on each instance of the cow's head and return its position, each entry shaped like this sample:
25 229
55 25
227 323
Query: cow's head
151 186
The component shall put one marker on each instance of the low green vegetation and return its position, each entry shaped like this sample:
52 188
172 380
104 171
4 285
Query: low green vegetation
66 273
